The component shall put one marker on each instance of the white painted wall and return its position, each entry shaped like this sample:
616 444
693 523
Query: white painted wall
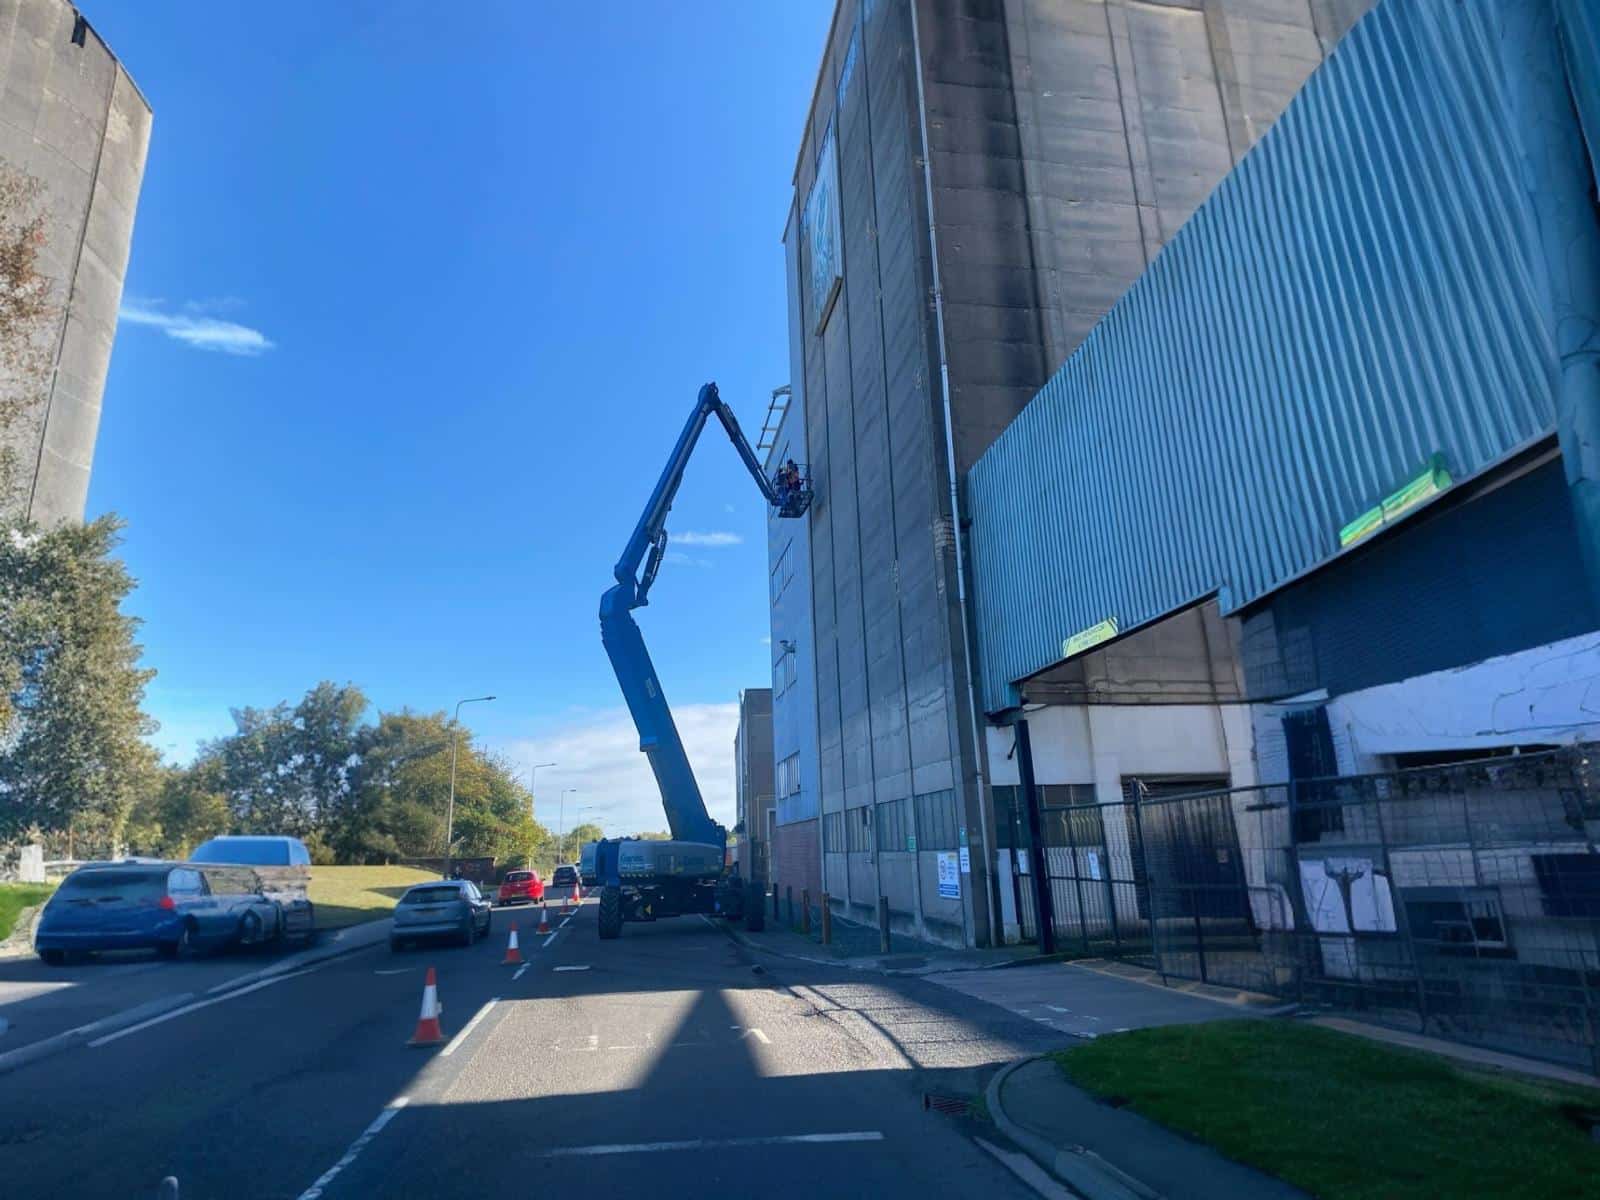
1547 694
1100 744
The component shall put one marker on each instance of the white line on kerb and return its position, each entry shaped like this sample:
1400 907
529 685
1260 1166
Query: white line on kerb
794 1139
356 1147
198 1004
466 1029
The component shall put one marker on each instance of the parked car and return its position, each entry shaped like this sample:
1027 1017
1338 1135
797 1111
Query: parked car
521 887
284 866
174 908
452 908
564 878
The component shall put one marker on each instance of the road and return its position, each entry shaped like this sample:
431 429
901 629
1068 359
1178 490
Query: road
674 1061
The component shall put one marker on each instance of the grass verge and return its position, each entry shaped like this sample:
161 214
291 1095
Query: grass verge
14 897
1346 1118
351 895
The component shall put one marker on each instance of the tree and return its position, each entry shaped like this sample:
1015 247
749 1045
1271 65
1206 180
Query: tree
660 835
184 808
72 750
577 837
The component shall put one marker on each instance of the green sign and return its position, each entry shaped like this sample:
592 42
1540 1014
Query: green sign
1087 639
1428 483
911 841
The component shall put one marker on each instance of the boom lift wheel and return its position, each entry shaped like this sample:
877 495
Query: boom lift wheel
610 913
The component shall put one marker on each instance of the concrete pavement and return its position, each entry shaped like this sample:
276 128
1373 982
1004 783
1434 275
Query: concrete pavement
664 1060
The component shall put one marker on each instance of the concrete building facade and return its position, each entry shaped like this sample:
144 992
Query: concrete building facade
978 182
755 814
74 130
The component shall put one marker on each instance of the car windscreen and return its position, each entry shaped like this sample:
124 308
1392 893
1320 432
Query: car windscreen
519 876
431 895
243 850
107 885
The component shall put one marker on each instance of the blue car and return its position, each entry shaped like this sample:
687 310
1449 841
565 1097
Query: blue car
172 908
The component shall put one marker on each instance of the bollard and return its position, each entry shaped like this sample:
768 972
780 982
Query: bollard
827 921
883 924
788 899
805 911
775 913
169 1189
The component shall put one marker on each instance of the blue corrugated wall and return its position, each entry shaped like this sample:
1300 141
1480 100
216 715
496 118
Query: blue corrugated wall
1363 291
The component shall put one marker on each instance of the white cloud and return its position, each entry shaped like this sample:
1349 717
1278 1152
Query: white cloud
766 641
713 537
685 560
197 331
599 755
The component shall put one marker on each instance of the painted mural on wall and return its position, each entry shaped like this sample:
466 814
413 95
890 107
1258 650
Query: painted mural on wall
820 228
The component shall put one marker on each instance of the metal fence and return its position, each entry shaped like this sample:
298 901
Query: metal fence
1460 901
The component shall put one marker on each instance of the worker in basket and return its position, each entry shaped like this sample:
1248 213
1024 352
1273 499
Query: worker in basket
788 483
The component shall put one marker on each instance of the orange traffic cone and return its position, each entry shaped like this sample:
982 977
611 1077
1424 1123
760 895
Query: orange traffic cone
544 919
428 1032
513 954
577 896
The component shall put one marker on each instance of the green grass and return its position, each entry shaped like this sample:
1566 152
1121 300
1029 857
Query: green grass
14 897
351 895
1346 1118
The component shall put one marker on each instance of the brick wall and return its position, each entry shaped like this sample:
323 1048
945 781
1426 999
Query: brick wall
796 861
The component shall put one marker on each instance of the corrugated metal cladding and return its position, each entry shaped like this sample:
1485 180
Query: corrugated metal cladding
1362 291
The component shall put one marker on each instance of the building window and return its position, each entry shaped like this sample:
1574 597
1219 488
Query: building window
782 574
1569 884
858 829
1457 920
783 674
788 776
833 832
894 827
937 827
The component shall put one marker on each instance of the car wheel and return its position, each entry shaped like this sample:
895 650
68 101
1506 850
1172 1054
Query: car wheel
186 946
469 932
250 929
53 958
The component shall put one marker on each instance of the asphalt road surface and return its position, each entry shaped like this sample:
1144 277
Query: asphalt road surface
673 1062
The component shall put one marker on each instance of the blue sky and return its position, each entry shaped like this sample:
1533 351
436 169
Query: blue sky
420 295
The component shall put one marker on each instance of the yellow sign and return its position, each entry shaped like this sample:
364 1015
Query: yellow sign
1089 638
1432 480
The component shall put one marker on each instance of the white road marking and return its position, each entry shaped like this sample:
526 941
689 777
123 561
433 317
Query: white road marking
551 938
793 1139
752 1032
1030 1172
395 971
585 967
356 1147
563 924
520 970
594 1041
199 1004
1057 1008
455 1042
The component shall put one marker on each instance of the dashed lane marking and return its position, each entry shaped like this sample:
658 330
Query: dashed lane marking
552 938
793 1139
466 1030
356 1147
584 967
520 970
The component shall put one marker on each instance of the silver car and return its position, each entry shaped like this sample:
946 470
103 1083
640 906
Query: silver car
452 908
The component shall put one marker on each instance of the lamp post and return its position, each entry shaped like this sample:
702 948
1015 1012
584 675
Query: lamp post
561 839
533 783
450 813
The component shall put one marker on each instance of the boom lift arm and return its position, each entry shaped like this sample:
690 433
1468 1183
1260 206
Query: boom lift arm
635 573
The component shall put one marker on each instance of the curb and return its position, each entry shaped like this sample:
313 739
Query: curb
845 964
1081 1169
45 1047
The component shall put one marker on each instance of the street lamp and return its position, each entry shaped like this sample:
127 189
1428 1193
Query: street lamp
450 813
561 839
533 783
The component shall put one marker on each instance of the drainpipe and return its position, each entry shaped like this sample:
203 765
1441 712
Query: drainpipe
1556 182
955 493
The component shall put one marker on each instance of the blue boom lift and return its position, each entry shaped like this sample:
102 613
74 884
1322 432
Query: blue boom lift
644 880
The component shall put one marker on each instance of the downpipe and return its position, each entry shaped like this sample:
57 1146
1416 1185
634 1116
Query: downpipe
955 490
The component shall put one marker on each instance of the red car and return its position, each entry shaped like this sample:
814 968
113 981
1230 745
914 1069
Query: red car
521 887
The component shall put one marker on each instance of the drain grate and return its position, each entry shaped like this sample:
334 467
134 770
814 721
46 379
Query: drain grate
950 1105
